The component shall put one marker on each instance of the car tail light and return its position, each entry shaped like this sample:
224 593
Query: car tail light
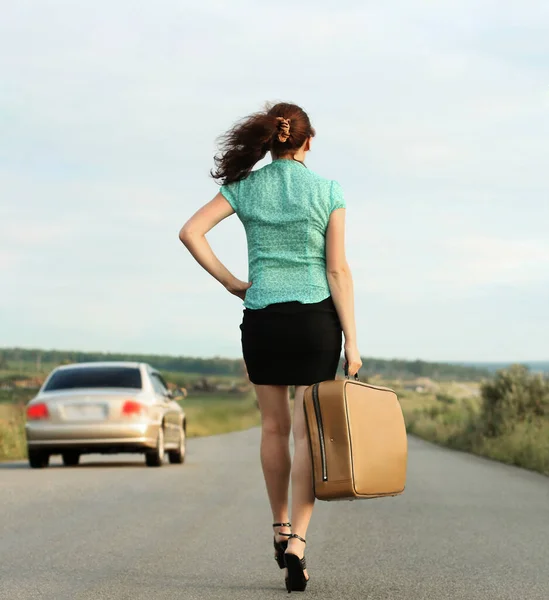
37 411
132 407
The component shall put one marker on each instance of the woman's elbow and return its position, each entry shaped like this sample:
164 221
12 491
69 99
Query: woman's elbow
185 234
337 271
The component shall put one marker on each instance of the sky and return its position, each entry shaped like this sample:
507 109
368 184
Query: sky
433 116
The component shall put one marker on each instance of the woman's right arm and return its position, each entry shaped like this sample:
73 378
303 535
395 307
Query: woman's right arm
341 286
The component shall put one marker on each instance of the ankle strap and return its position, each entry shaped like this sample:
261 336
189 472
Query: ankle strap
297 537
282 525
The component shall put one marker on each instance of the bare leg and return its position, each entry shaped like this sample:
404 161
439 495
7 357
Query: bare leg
275 450
302 478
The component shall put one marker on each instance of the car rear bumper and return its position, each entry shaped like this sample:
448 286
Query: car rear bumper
90 437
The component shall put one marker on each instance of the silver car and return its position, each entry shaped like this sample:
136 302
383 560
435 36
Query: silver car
105 407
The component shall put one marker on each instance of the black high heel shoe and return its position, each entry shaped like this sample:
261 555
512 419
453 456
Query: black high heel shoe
280 547
296 580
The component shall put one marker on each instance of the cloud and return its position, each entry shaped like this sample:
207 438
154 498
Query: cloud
7 261
485 261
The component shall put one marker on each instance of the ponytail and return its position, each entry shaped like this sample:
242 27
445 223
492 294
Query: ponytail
281 129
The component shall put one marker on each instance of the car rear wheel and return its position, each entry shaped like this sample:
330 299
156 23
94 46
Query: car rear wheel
155 458
38 459
177 457
70 459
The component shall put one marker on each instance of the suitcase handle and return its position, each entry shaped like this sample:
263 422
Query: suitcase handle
347 372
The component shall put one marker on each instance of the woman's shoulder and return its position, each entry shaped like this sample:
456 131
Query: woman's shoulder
320 178
331 190
256 176
324 182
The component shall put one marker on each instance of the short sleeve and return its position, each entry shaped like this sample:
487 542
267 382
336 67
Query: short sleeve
230 193
337 199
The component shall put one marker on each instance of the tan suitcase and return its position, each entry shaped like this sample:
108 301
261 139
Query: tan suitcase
357 438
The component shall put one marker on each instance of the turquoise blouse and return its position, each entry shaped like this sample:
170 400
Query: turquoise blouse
285 209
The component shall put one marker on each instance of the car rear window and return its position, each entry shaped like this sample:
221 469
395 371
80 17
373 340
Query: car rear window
95 377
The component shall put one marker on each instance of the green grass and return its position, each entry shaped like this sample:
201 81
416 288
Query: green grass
526 446
17 396
188 379
456 424
12 432
211 415
206 415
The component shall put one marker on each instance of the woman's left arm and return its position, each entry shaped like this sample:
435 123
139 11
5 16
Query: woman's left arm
193 236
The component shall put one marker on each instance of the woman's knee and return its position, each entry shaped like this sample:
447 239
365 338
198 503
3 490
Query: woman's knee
278 427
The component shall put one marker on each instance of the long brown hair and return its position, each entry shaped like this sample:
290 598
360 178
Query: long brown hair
251 138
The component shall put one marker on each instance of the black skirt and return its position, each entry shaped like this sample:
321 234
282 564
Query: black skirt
292 343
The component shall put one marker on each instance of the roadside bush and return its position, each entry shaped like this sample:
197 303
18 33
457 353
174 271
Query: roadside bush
515 395
509 423
445 398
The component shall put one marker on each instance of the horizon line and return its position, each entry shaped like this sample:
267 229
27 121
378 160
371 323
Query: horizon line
213 357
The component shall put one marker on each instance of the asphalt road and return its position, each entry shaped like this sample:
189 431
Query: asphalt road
466 528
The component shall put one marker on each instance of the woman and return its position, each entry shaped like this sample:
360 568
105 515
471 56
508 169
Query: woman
298 300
